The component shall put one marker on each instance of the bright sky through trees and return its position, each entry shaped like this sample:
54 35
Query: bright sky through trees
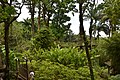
74 20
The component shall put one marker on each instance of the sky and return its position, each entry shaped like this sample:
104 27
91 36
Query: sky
74 20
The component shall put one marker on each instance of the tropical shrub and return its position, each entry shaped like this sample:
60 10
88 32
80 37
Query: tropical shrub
44 39
48 70
67 56
117 77
110 50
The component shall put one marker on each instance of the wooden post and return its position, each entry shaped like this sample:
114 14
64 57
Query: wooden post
17 69
27 68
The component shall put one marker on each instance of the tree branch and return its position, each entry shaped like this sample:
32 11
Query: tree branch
3 2
10 2
14 18
85 7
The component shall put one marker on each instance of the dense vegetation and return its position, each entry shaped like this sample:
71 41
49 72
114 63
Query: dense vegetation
47 46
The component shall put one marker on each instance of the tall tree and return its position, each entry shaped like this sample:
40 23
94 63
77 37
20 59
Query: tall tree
60 17
10 11
82 7
39 12
47 10
31 7
112 13
92 5
93 13
32 15
82 33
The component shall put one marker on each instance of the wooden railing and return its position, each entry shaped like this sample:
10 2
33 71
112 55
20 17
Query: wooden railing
23 72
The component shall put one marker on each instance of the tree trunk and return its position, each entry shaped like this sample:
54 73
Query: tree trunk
90 32
98 34
113 27
49 15
82 32
39 16
48 19
81 24
88 57
80 19
6 28
91 26
32 17
27 69
44 12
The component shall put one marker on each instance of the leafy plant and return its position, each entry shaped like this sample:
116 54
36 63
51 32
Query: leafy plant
54 70
116 77
44 39
110 50
67 56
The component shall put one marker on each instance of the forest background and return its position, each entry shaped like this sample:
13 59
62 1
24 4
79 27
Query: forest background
46 45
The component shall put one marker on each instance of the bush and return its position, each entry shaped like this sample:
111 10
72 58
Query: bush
110 49
48 70
101 50
44 39
65 64
67 56
117 77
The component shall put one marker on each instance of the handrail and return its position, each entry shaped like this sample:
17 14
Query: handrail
21 76
23 71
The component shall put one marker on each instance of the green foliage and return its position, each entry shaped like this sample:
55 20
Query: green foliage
2 52
117 77
59 25
17 37
6 12
44 39
112 10
1 34
67 56
12 55
49 62
65 63
101 50
112 46
111 50
13 59
54 71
